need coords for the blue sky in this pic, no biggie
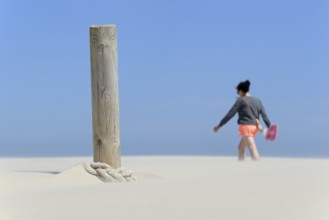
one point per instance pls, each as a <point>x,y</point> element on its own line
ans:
<point>179,62</point>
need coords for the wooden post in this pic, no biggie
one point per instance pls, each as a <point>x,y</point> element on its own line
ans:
<point>105,95</point>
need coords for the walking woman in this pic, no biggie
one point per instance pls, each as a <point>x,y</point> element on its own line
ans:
<point>248,108</point>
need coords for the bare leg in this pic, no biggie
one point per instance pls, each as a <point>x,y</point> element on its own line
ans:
<point>252,147</point>
<point>242,146</point>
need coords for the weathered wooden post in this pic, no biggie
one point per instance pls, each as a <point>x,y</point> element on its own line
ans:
<point>105,95</point>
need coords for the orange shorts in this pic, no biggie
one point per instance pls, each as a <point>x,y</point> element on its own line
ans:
<point>248,130</point>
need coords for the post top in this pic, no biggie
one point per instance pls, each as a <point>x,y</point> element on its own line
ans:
<point>106,25</point>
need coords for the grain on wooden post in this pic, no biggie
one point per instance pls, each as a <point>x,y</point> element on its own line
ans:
<point>105,95</point>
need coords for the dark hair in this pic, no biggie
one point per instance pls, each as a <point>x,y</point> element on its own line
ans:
<point>243,86</point>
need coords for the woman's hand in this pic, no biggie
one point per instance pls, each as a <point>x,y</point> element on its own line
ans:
<point>216,128</point>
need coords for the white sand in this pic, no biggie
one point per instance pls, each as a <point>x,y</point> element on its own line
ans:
<point>168,188</point>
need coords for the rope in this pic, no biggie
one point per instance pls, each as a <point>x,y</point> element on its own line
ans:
<point>108,174</point>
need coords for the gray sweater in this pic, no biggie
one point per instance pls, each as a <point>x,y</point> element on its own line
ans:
<point>245,114</point>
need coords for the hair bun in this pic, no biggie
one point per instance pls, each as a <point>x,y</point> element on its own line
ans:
<point>243,86</point>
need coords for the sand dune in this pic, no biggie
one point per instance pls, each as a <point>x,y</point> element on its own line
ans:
<point>167,188</point>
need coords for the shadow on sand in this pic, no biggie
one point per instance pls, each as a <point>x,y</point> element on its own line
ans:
<point>36,171</point>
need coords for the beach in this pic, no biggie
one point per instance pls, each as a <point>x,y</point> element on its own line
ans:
<point>167,187</point>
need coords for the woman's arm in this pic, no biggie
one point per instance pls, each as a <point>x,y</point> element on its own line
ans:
<point>235,108</point>
<point>264,116</point>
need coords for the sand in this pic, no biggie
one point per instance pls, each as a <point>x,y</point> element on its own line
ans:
<point>167,188</point>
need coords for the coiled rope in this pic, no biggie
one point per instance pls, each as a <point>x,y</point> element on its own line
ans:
<point>108,174</point>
